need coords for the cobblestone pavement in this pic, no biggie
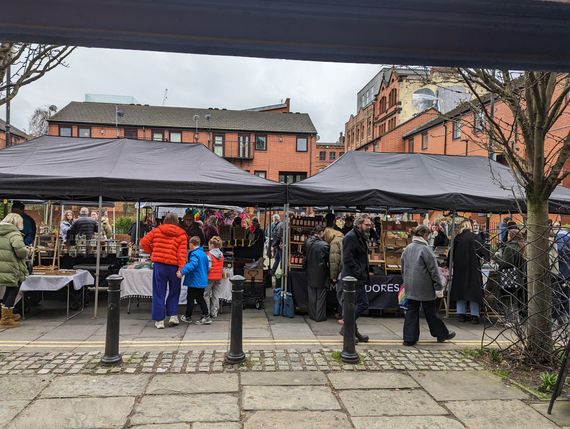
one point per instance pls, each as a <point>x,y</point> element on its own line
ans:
<point>213,361</point>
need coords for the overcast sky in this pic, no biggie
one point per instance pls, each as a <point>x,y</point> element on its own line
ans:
<point>327,91</point>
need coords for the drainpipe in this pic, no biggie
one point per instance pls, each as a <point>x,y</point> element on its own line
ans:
<point>445,138</point>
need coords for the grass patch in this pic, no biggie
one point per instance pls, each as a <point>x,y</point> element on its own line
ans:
<point>547,381</point>
<point>336,357</point>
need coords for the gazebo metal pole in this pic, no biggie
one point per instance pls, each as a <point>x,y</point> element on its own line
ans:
<point>98,262</point>
<point>285,252</point>
<point>137,224</point>
<point>450,271</point>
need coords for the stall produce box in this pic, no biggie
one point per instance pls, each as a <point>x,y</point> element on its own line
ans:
<point>255,273</point>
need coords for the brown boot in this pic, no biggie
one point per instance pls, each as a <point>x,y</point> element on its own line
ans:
<point>7,320</point>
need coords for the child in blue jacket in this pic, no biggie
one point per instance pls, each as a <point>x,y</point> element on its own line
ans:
<point>196,279</point>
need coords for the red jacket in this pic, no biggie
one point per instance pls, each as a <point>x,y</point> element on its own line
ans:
<point>216,258</point>
<point>166,244</point>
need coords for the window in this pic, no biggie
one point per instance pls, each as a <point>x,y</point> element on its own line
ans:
<point>456,130</point>
<point>332,156</point>
<point>176,136</point>
<point>322,155</point>
<point>219,144</point>
<point>383,105</point>
<point>288,177</point>
<point>411,145</point>
<point>131,133</point>
<point>302,144</point>
<point>158,135</point>
<point>479,122</point>
<point>84,132</point>
<point>340,154</point>
<point>383,128</point>
<point>243,146</point>
<point>392,98</point>
<point>260,142</point>
<point>64,131</point>
<point>424,141</point>
<point>374,147</point>
<point>261,174</point>
<point>369,127</point>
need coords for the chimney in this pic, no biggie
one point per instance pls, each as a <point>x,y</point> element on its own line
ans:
<point>288,103</point>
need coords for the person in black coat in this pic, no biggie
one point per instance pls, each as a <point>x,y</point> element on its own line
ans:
<point>355,264</point>
<point>84,225</point>
<point>317,253</point>
<point>440,239</point>
<point>256,238</point>
<point>467,281</point>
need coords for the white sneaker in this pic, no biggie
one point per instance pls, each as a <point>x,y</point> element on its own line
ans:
<point>173,321</point>
<point>185,319</point>
<point>204,321</point>
<point>159,324</point>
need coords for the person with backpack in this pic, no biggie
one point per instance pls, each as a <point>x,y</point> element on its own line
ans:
<point>195,274</point>
<point>216,261</point>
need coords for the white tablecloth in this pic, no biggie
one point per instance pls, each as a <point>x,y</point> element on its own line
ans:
<point>37,282</point>
<point>137,283</point>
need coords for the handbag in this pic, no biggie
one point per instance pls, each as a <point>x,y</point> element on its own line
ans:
<point>403,297</point>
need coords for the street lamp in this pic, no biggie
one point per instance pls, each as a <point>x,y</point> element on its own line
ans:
<point>118,113</point>
<point>196,118</point>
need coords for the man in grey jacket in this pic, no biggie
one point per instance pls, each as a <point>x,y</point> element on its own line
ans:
<point>423,284</point>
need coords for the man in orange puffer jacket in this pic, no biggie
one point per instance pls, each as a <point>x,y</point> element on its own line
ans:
<point>167,246</point>
<point>212,292</point>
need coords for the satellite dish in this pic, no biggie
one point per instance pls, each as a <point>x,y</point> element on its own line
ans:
<point>207,116</point>
<point>318,137</point>
<point>52,108</point>
<point>196,117</point>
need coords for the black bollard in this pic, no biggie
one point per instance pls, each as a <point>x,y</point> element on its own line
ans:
<point>236,354</point>
<point>112,355</point>
<point>348,354</point>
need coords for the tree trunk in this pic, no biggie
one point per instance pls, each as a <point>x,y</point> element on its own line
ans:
<point>539,341</point>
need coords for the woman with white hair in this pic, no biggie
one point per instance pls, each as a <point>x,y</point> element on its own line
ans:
<point>13,269</point>
<point>467,282</point>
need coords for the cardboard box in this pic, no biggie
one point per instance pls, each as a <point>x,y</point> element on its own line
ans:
<point>253,273</point>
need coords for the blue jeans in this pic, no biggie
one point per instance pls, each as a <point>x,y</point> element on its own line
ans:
<point>163,277</point>
<point>473,307</point>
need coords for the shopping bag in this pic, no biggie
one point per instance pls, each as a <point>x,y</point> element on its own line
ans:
<point>277,302</point>
<point>288,305</point>
<point>403,298</point>
<point>510,279</point>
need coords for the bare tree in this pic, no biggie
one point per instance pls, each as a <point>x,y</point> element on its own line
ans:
<point>535,102</point>
<point>38,125</point>
<point>28,63</point>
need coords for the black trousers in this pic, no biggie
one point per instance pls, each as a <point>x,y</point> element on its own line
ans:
<point>318,303</point>
<point>197,294</point>
<point>10,295</point>
<point>412,322</point>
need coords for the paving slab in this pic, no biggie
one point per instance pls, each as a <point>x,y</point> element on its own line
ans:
<point>371,380</point>
<point>389,402</point>
<point>408,422</point>
<point>498,414</point>
<point>465,385</point>
<point>312,398</point>
<point>9,409</point>
<point>560,412</point>
<point>224,425</point>
<point>163,426</point>
<point>16,387</point>
<point>169,384</point>
<point>71,386</point>
<point>208,407</point>
<point>75,413</point>
<point>297,420</point>
<point>285,378</point>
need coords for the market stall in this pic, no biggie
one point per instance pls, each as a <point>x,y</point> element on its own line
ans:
<point>128,170</point>
<point>416,181</point>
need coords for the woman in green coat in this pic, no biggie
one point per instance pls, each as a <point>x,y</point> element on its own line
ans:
<point>13,270</point>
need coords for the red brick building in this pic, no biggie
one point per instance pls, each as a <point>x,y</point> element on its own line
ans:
<point>327,153</point>
<point>17,136</point>
<point>269,141</point>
